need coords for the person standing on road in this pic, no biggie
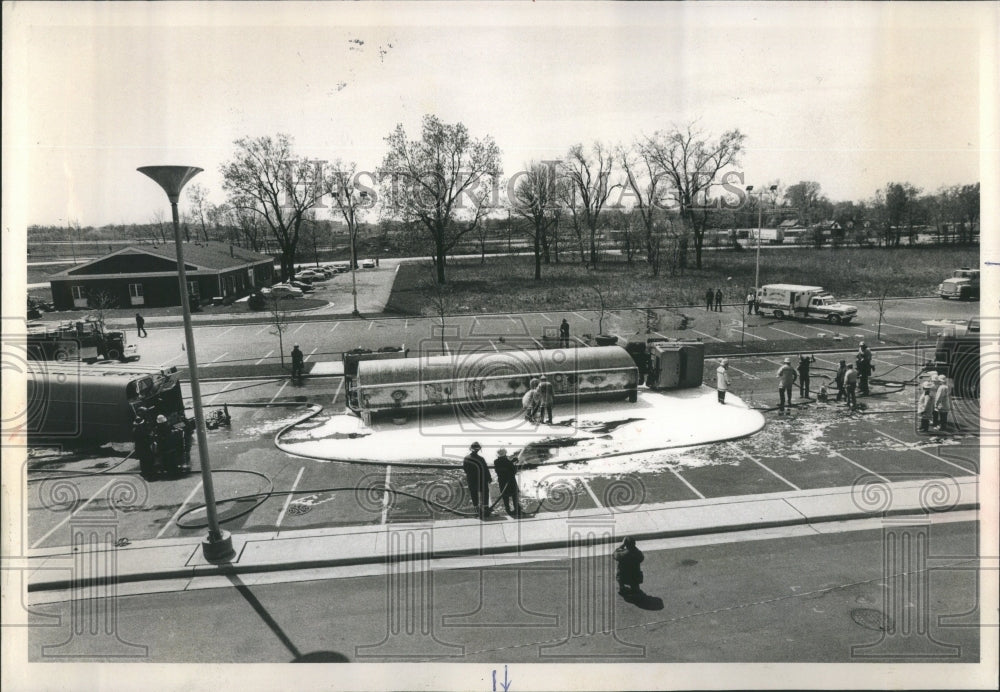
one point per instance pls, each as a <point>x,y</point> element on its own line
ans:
<point>506,472</point>
<point>722,380</point>
<point>851,385</point>
<point>477,475</point>
<point>718,300</point>
<point>751,299</point>
<point>865,368</point>
<point>546,399</point>
<point>709,297</point>
<point>564,334</point>
<point>925,407</point>
<point>298,362</point>
<point>140,325</point>
<point>786,378</point>
<point>529,402</point>
<point>839,379</point>
<point>803,368</point>
<point>629,575</point>
<point>942,402</point>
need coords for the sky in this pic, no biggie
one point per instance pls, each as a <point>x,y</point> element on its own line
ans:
<point>851,96</point>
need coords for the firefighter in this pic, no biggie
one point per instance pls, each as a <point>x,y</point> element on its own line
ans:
<point>477,475</point>
<point>864,368</point>
<point>629,574</point>
<point>298,363</point>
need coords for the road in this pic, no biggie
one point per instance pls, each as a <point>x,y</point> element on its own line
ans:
<point>788,595</point>
<point>256,343</point>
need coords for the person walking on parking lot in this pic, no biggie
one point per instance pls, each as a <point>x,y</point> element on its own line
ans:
<point>722,380</point>
<point>803,368</point>
<point>298,363</point>
<point>942,402</point>
<point>629,573</point>
<point>477,475</point>
<point>839,379</point>
<point>865,368</point>
<point>925,407</point>
<point>786,378</point>
<point>751,299</point>
<point>546,399</point>
<point>709,297</point>
<point>718,300</point>
<point>140,325</point>
<point>564,334</point>
<point>850,386</point>
<point>506,472</point>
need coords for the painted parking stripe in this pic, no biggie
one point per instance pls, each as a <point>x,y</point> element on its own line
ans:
<point>264,358</point>
<point>683,480</point>
<point>262,330</point>
<point>854,463</point>
<point>171,360</point>
<point>310,354</point>
<point>581,317</point>
<point>225,331</point>
<point>180,509</point>
<point>586,486</point>
<point>763,466</point>
<point>334,327</point>
<point>708,335</point>
<point>545,317</point>
<point>371,324</point>
<point>743,331</point>
<point>743,372</point>
<point>224,354</point>
<point>797,336</point>
<point>340,385</point>
<point>295,331</point>
<point>283,384</point>
<point>923,451</point>
<point>218,394</point>
<point>72,514</point>
<point>581,341</point>
<point>538,343</point>
<point>288,498</point>
<point>899,326</point>
<point>494,346</point>
<point>385,495</point>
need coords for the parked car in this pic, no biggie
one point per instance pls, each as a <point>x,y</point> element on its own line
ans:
<point>302,286</point>
<point>368,264</point>
<point>282,291</point>
<point>310,274</point>
<point>962,284</point>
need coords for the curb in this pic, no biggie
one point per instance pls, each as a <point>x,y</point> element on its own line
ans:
<point>235,568</point>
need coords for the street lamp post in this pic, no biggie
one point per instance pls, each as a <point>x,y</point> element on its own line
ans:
<point>352,228</point>
<point>760,224</point>
<point>218,545</point>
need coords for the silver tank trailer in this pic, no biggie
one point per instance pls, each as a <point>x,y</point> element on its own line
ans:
<point>494,379</point>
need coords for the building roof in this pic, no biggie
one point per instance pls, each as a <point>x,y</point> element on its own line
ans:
<point>203,256</point>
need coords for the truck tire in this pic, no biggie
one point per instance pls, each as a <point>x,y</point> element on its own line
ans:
<point>964,294</point>
<point>778,314</point>
<point>834,319</point>
<point>113,354</point>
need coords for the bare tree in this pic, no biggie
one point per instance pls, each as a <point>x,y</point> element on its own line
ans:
<point>265,177</point>
<point>649,187</point>
<point>600,314</point>
<point>158,220</point>
<point>440,303</point>
<point>427,180</point>
<point>279,321</point>
<point>589,176</point>
<point>692,163</point>
<point>100,302</point>
<point>881,313</point>
<point>351,199</point>
<point>198,196</point>
<point>536,192</point>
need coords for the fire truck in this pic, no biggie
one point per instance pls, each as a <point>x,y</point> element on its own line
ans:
<point>79,340</point>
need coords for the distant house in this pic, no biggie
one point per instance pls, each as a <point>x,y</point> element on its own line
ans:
<point>147,276</point>
<point>789,224</point>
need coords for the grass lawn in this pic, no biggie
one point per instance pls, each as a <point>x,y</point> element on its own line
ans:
<point>505,284</point>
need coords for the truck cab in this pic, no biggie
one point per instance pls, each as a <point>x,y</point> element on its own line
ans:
<point>962,284</point>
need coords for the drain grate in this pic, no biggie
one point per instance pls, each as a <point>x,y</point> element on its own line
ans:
<point>871,619</point>
<point>299,509</point>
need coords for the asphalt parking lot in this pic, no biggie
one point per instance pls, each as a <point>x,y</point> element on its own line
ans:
<point>817,446</point>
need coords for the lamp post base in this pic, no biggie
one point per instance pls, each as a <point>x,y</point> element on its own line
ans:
<point>355,313</point>
<point>218,549</point>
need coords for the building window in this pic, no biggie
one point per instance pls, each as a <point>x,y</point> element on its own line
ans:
<point>77,292</point>
<point>135,290</point>
<point>193,289</point>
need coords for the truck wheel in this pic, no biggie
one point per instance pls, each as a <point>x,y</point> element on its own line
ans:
<point>779,314</point>
<point>834,319</point>
<point>113,354</point>
<point>964,295</point>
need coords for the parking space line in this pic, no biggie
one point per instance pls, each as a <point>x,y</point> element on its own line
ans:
<point>763,466</point>
<point>226,331</point>
<point>862,329</point>
<point>385,495</point>
<point>683,480</point>
<point>863,468</point>
<point>545,317</point>
<point>446,349</point>
<point>797,336</point>
<point>224,354</point>
<point>283,385</point>
<point>581,317</point>
<point>899,326</point>
<point>512,319</point>
<point>340,385</point>
<point>262,330</point>
<point>334,327</point>
<point>171,360</point>
<point>218,394</point>
<point>494,346</point>
<point>264,358</point>
<point>71,514</point>
<point>406,324</point>
<point>662,336</point>
<point>743,331</point>
<point>295,331</point>
<point>371,324</point>
<point>743,372</point>
<point>288,498</point>
<point>180,509</point>
<point>581,341</point>
<point>708,335</point>
<point>538,343</point>
<point>310,354</point>
<point>923,451</point>
<point>586,486</point>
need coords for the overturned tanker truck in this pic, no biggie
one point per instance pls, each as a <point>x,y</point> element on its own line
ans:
<point>482,380</point>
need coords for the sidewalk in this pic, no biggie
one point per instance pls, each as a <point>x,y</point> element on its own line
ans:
<point>181,560</point>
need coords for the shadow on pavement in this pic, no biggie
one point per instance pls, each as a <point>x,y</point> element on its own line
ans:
<point>644,601</point>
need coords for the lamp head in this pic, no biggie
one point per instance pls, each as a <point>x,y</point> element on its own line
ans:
<point>749,188</point>
<point>171,178</point>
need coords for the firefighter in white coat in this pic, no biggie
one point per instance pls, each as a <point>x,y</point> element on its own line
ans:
<point>722,380</point>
